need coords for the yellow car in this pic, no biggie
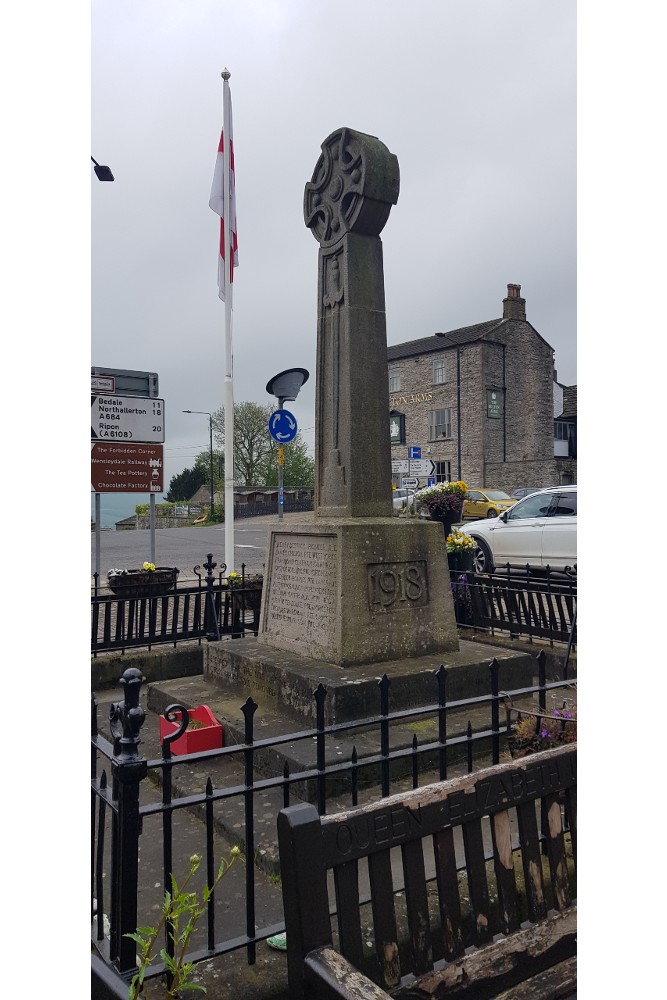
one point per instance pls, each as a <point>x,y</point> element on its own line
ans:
<point>485,502</point>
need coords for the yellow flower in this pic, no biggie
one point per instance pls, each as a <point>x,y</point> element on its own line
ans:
<point>150,567</point>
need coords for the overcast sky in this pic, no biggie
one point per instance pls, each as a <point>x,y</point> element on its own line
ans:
<point>476,98</point>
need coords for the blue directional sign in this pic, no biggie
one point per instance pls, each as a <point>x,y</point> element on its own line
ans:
<point>282,426</point>
<point>414,452</point>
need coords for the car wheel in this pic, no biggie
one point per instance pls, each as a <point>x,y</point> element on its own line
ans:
<point>481,560</point>
<point>492,513</point>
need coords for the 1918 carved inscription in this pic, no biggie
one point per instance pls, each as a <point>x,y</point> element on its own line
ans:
<point>393,586</point>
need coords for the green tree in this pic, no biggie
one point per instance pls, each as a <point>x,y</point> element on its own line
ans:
<point>299,467</point>
<point>255,451</point>
<point>184,485</point>
<point>203,462</point>
<point>252,441</point>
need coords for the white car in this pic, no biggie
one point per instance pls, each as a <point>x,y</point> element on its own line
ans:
<point>538,531</point>
<point>402,498</point>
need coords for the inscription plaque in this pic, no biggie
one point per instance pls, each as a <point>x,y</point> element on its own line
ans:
<point>393,586</point>
<point>302,599</point>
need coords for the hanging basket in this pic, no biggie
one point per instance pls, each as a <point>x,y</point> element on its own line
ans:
<point>135,583</point>
<point>446,508</point>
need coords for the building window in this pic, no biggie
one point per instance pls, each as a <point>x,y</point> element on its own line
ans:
<point>443,472</point>
<point>440,424</point>
<point>438,371</point>
<point>561,430</point>
<point>394,378</point>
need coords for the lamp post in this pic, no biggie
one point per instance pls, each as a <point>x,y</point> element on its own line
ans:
<point>205,413</point>
<point>285,385</point>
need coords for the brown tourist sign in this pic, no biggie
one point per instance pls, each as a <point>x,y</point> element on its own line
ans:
<point>126,468</point>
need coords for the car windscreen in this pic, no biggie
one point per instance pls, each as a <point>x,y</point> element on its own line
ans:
<point>532,506</point>
<point>497,495</point>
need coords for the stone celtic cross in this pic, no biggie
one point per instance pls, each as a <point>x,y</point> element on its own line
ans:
<point>346,205</point>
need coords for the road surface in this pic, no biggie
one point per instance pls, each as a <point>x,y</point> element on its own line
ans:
<point>186,547</point>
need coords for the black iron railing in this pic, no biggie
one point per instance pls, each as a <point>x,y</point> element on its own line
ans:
<point>382,756</point>
<point>206,609</point>
<point>523,603</point>
<point>271,507</point>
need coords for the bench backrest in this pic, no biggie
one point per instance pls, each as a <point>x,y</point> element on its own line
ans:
<point>451,844</point>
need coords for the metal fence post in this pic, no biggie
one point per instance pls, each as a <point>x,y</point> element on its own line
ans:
<point>128,769</point>
<point>210,614</point>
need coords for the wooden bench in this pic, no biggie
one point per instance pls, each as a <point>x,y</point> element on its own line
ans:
<point>445,904</point>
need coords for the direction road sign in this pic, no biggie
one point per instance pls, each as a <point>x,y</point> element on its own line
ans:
<point>126,468</point>
<point>282,426</point>
<point>410,482</point>
<point>125,381</point>
<point>399,465</point>
<point>126,418</point>
<point>421,467</point>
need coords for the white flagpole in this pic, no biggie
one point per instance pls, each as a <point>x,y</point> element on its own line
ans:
<point>228,399</point>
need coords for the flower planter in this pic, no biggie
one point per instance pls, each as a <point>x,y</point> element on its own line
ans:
<point>461,562</point>
<point>135,583</point>
<point>531,732</point>
<point>207,736</point>
<point>448,510</point>
<point>249,597</point>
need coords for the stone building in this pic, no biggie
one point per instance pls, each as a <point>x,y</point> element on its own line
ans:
<point>482,403</point>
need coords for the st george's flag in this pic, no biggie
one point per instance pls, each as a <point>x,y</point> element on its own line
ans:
<point>227,261</point>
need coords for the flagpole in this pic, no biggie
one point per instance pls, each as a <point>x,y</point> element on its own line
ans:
<point>228,399</point>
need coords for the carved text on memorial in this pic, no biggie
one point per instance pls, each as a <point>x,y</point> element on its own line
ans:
<point>302,599</point>
<point>397,585</point>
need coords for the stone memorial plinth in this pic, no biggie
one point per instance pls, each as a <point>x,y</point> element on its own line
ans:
<point>358,590</point>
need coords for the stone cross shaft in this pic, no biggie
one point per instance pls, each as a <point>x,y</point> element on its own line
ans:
<point>346,205</point>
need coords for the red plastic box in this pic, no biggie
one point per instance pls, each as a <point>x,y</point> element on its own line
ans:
<point>209,737</point>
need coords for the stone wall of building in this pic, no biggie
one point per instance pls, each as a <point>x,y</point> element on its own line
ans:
<point>518,365</point>
<point>510,476</point>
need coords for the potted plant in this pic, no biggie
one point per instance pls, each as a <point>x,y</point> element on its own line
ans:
<point>203,731</point>
<point>531,732</point>
<point>460,551</point>
<point>444,502</point>
<point>250,587</point>
<point>149,581</point>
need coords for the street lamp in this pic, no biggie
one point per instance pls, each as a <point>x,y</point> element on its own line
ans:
<point>285,385</point>
<point>205,413</point>
<point>103,173</point>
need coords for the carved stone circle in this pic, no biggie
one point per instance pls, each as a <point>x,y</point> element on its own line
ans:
<point>354,185</point>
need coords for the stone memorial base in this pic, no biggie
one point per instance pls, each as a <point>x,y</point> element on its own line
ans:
<point>283,684</point>
<point>351,591</point>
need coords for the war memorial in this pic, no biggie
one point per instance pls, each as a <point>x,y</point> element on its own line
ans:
<point>350,592</point>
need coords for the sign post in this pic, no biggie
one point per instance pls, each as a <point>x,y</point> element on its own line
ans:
<point>127,434</point>
<point>282,423</point>
<point>282,427</point>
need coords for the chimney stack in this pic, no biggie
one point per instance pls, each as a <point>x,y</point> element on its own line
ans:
<point>514,307</point>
